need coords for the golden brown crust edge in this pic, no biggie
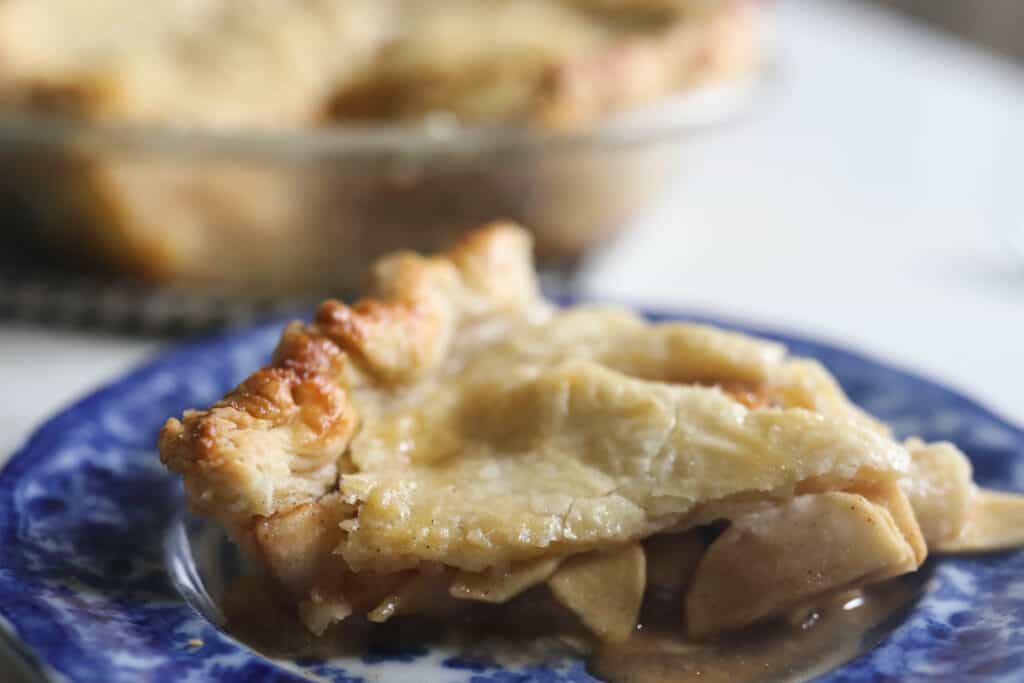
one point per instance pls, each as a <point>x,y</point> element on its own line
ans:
<point>279,439</point>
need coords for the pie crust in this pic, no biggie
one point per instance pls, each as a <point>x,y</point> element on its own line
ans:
<point>211,62</point>
<point>454,436</point>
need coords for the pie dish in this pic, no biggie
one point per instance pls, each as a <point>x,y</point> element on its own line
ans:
<point>84,590</point>
<point>392,123</point>
<point>455,438</point>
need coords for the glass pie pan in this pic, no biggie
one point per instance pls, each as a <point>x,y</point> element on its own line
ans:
<point>289,212</point>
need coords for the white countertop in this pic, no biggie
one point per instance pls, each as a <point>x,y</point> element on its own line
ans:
<point>862,203</point>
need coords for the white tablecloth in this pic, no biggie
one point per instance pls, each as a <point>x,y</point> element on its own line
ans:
<point>862,202</point>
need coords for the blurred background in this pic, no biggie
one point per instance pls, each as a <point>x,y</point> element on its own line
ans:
<point>844,169</point>
<point>849,170</point>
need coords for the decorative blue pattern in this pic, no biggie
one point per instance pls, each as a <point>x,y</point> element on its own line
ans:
<point>83,508</point>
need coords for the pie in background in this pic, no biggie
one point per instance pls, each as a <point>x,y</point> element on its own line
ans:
<point>232,154</point>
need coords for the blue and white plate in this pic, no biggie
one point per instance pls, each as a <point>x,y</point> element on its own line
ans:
<point>86,590</point>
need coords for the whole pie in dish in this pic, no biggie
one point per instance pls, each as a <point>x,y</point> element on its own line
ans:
<point>456,438</point>
<point>211,165</point>
<point>211,63</point>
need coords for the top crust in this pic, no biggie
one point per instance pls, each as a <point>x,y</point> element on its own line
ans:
<point>466,424</point>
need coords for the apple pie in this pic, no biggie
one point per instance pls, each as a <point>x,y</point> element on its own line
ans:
<point>455,437</point>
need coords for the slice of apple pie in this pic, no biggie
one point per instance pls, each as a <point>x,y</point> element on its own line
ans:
<point>456,438</point>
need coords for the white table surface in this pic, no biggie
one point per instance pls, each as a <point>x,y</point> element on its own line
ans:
<point>862,203</point>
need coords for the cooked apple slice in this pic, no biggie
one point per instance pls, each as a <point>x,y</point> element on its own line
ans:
<point>502,585</point>
<point>326,604</point>
<point>940,490</point>
<point>893,498</point>
<point>955,515</point>
<point>604,589</point>
<point>996,522</point>
<point>295,544</point>
<point>771,560</point>
<point>424,593</point>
